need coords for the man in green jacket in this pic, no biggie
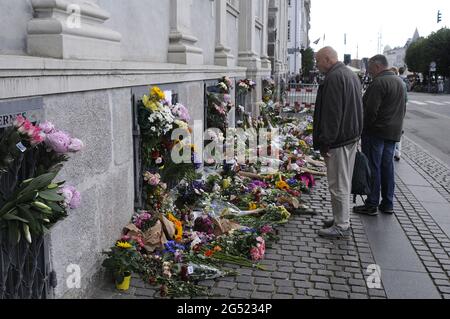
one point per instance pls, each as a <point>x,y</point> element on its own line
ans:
<point>384,112</point>
<point>337,131</point>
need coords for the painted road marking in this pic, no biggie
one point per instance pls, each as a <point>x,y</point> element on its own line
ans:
<point>435,103</point>
<point>417,102</point>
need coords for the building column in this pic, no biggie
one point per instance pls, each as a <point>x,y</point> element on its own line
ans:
<point>71,29</point>
<point>265,61</point>
<point>182,47</point>
<point>248,57</point>
<point>222,56</point>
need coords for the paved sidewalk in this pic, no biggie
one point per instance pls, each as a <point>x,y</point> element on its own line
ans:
<point>412,247</point>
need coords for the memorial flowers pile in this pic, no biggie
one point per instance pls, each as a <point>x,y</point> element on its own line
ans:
<point>226,214</point>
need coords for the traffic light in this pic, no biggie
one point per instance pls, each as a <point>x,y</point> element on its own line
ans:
<point>439,16</point>
<point>347,59</point>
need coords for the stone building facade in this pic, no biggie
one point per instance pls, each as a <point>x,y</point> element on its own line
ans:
<point>84,59</point>
<point>299,15</point>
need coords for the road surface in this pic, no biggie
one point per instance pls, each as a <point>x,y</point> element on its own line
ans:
<point>427,123</point>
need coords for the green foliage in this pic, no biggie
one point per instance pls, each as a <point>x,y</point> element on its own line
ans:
<point>122,262</point>
<point>307,61</point>
<point>435,47</point>
<point>34,206</point>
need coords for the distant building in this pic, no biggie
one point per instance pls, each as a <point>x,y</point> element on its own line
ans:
<point>299,12</point>
<point>396,56</point>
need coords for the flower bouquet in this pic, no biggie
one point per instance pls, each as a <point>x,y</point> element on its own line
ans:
<point>225,85</point>
<point>245,86</point>
<point>38,202</point>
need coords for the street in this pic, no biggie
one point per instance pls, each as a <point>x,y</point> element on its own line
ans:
<point>427,123</point>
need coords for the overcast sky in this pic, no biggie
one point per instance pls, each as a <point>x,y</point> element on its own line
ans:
<point>363,20</point>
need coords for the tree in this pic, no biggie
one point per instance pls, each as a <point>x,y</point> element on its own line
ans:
<point>439,46</point>
<point>307,61</point>
<point>416,56</point>
<point>435,47</point>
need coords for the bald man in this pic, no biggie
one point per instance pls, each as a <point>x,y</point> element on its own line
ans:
<point>338,124</point>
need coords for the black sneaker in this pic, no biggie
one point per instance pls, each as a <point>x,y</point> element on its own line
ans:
<point>386,211</point>
<point>327,223</point>
<point>397,158</point>
<point>366,210</point>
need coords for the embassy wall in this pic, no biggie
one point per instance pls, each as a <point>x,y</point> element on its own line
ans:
<point>86,77</point>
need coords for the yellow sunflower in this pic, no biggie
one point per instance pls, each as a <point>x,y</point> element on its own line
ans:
<point>123,244</point>
<point>282,185</point>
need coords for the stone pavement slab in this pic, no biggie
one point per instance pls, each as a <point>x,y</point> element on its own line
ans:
<point>390,246</point>
<point>409,285</point>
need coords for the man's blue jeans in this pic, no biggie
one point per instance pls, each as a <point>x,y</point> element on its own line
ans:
<point>380,153</point>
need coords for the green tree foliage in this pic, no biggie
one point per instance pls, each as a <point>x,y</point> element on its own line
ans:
<point>307,61</point>
<point>439,46</point>
<point>436,47</point>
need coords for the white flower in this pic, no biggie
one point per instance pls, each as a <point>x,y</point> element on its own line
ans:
<point>153,129</point>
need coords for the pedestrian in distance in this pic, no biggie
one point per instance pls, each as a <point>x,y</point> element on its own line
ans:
<point>384,113</point>
<point>338,124</point>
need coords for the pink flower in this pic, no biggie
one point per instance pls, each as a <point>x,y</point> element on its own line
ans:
<point>226,98</point>
<point>72,197</point>
<point>255,254</point>
<point>181,112</point>
<point>125,238</point>
<point>76,200</point>
<point>139,241</point>
<point>19,121</point>
<point>47,127</point>
<point>219,109</point>
<point>154,180</point>
<point>37,138</point>
<point>26,128</point>
<point>75,145</point>
<point>58,141</point>
<point>266,229</point>
<point>308,180</point>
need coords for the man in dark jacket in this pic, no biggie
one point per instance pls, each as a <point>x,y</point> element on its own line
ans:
<point>384,112</point>
<point>338,124</point>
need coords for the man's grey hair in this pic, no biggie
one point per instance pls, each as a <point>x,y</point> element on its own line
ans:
<point>379,59</point>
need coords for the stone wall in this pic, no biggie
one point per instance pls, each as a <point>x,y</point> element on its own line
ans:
<point>203,17</point>
<point>14,16</point>
<point>144,25</point>
<point>233,35</point>
<point>102,172</point>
